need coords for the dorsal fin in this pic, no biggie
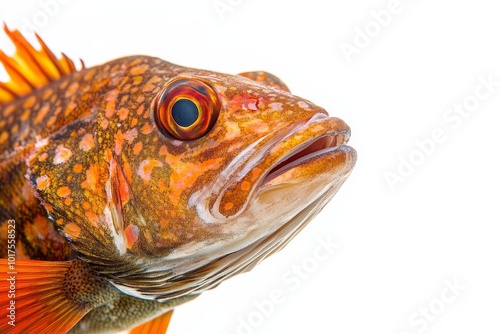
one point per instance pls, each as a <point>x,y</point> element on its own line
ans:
<point>30,68</point>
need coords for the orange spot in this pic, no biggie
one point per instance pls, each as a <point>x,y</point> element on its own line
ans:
<point>72,230</point>
<point>140,110</point>
<point>228,206</point>
<point>150,85</point>
<point>62,155</point>
<point>86,205</point>
<point>161,184</point>
<point>72,89</point>
<point>91,216</point>
<point>119,139</point>
<point>63,191</point>
<point>134,122</point>
<point>41,114</point>
<point>256,173</point>
<point>163,150</point>
<point>111,96</point>
<point>147,129</point>
<point>137,148</point>
<point>130,135</point>
<point>25,115</point>
<point>131,235</point>
<point>137,80</point>
<point>3,137</point>
<point>70,108</point>
<point>92,179</point>
<point>14,129</point>
<point>87,142</point>
<point>68,201</point>
<point>122,113</point>
<point>78,168</point>
<point>7,111</point>
<point>51,121</point>
<point>110,109</point>
<point>42,182</point>
<point>42,157</point>
<point>30,102</point>
<point>245,185</point>
<point>48,93</point>
<point>257,127</point>
<point>146,169</point>
<point>185,174</point>
<point>104,123</point>
<point>140,69</point>
<point>122,82</point>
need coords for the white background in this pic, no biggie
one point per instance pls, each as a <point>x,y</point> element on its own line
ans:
<point>397,247</point>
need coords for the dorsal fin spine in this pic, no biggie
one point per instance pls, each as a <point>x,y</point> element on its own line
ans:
<point>30,68</point>
<point>50,55</point>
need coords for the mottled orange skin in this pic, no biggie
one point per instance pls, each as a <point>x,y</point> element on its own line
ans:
<point>113,118</point>
<point>122,195</point>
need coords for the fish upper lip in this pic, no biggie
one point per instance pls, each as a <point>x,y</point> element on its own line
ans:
<point>326,141</point>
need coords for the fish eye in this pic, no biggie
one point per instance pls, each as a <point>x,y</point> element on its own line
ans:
<point>186,109</point>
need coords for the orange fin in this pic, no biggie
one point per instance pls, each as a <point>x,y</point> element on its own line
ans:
<point>266,78</point>
<point>158,325</point>
<point>36,302</point>
<point>30,68</point>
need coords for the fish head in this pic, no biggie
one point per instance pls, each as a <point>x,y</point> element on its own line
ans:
<point>182,178</point>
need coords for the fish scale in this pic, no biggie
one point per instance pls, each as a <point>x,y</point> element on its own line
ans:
<point>118,207</point>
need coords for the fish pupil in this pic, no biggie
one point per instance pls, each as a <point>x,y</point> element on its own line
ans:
<point>185,112</point>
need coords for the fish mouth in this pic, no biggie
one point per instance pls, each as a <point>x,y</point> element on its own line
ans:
<point>308,149</point>
<point>330,142</point>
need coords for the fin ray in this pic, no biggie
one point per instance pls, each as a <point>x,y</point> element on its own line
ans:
<point>30,68</point>
<point>41,305</point>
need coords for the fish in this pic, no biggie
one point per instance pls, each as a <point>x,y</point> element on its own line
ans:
<point>132,187</point>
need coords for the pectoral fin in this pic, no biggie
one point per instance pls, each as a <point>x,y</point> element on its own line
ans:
<point>158,325</point>
<point>35,297</point>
